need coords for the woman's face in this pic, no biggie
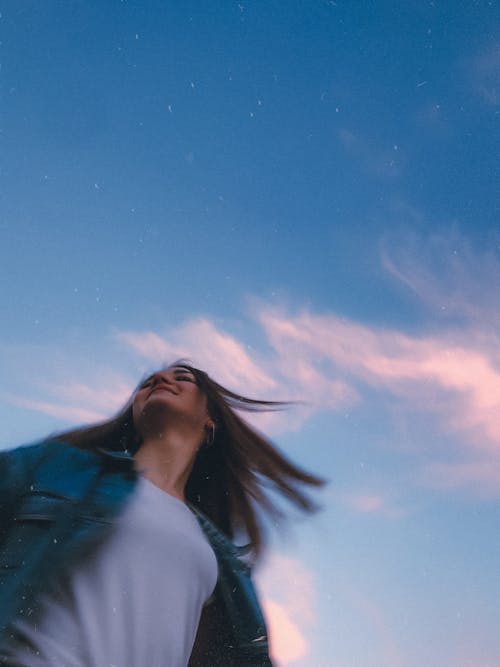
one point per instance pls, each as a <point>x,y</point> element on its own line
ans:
<point>170,394</point>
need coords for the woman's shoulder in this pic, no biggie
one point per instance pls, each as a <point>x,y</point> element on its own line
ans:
<point>18,463</point>
<point>22,455</point>
<point>32,451</point>
<point>31,455</point>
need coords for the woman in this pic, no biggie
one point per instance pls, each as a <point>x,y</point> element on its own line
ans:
<point>116,538</point>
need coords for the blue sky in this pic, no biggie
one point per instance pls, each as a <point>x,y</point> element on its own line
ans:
<point>303,198</point>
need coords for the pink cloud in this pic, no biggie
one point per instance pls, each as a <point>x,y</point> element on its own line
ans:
<point>446,274</point>
<point>64,412</point>
<point>286,642</point>
<point>228,359</point>
<point>230,362</point>
<point>366,503</point>
<point>149,345</point>
<point>290,610</point>
<point>108,397</point>
<point>74,401</point>
<point>275,578</point>
<point>329,363</point>
<point>371,504</point>
<point>458,382</point>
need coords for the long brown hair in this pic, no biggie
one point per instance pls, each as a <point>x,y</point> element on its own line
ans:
<point>229,478</point>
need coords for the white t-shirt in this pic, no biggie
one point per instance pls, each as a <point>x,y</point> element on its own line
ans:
<point>137,601</point>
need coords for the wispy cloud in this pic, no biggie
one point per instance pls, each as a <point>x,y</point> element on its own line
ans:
<point>107,398</point>
<point>461,379</point>
<point>65,412</point>
<point>219,352</point>
<point>371,504</point>
<point>447,274</point>
<point>257,374</point>
<point>366,503</point>
<point>72,400</point>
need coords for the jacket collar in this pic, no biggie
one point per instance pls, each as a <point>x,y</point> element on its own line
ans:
<point>117,455</point>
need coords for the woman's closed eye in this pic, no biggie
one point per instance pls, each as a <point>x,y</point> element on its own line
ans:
<point>185,378</point>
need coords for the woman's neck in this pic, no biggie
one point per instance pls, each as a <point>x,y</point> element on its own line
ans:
<point>166,461</point>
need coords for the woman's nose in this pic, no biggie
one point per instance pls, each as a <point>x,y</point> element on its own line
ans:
<point>162,377</point>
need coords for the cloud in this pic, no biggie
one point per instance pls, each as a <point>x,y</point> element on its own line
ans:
<point>460,378</point>
<point>109,397</point>
<point>290,610</point>
<point>366,503</point>
<point>64,398</point>
<point>369,503</point>
<point>220,353</point>
<point>228,360</point>
<point>64,412</point>
<point>446,273</point>
<point>287,644</point>
<point>275,577</point>
<point>331,363</point>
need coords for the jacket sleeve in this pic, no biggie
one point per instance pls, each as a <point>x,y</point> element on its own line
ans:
<point>16,470</point>
<point>12,485</point>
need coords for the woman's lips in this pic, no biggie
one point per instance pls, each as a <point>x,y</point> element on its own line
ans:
<point>161,388</point>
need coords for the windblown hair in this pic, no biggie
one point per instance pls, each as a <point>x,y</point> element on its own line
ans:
<point>229,477</point>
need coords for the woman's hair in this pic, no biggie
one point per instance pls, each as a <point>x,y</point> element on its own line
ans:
<point>229,477</point>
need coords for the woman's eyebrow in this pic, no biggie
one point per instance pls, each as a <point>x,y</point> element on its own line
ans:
<point>175,369</point>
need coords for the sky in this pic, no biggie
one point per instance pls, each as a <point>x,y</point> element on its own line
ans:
<point>302,198</point>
